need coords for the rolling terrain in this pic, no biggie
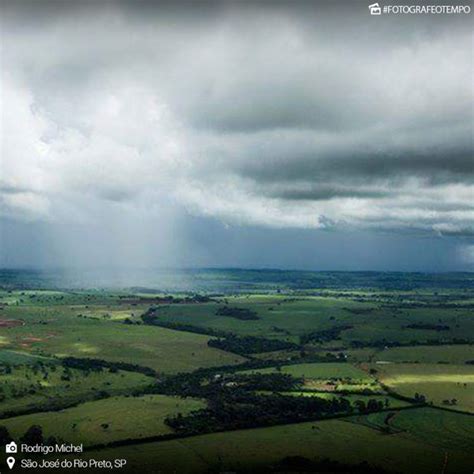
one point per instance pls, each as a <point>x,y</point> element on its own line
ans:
<point>261,371</point>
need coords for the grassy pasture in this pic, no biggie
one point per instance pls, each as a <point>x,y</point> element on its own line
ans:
<point>452,354</point>
<point>440,428</point>
<point>107,420</point>
<point>251,449</point>
<point>437,382</point>
<point>22,358</point>
<point>444,429</point>
<point>446,353</point>
<point>289,318</point>
<point>390,324</point>
<point>60,332</point>
<point>324,371</point>
<point>57,297</point>
<point>280,317</point>
<point>112,313</point>
<point>90,324</point>
<point>27,387</point>
<point>365,354</point>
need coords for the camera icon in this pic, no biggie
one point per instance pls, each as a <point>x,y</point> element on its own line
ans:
<point>11,448</point>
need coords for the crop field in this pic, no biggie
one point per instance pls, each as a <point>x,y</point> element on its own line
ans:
<point>266,374</point>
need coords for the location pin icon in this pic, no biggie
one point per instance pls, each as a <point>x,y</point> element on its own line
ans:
<point>11,462</point>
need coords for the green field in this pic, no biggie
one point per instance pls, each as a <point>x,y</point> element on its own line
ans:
<point>279,317</point>
<point>324,371</point>
<point>11,357</point>
<point>447,354</point>
<point>290,318</point>
<point>440,354</point>
<point>441,428</point>
<point>108,420</point>
<point>259,370</point>
<point>48,331</point>
<point>437,382</point>
<point>29,387</point>
<point>331,376</point>
<point>335,439</point>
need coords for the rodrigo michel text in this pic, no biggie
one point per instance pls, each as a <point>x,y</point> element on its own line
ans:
<point>53,448</point>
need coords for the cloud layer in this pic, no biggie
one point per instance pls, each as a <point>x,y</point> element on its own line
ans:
<point>307,116</point>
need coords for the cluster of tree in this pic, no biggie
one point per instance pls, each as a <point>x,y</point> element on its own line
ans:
<point>238,408</point>
<point>167,299</point>
<point>371,406</point>
<point>211,383</point>
<point>236,401</point>
<point>419,398</point>
<point>325,335</point>
<point>130,321</point>
<point>244,345</point>
<point>100,364</point>
<point>5,369</point>
<point>451,402</point>
<point>152,319</point>
<point>5,437</point>
<point>381,344</point>
<point>359,311</point>
<point>207,381</point>
<point>432,305</point>
<point>428,326</point>
<point>275,382</point>
<point>280,330</point>
<point>243,314</point>
<point>32,436</point>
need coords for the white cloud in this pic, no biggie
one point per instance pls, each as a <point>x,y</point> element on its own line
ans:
<point>254,117</point>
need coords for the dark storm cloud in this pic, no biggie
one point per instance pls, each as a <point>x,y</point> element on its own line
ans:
<point>435,164</point>
<point>324,192</point>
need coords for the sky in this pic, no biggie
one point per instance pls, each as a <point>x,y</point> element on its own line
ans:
<point>247,134</point>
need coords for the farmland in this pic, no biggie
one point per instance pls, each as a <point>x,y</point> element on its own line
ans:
<point>441,428</point>
<point>348,443</point>
<point>39,387</point>
<point>60,331</point>
<point>442,384</point>
<point>335,370</point>
<point>445,354</point>
<point>246,370</point>
<point>107,420</point>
